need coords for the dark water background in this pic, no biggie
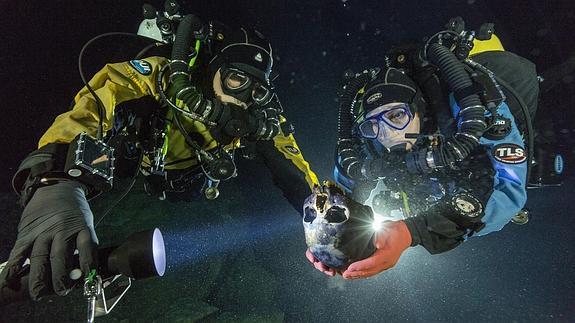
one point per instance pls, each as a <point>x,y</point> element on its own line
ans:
<point>241,258</point>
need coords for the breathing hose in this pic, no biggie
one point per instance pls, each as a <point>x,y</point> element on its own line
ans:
<point>268,120</point>
<point>472,123</point>
<point>201,108</point>
<point>347,157</point>
<point>99,104</point>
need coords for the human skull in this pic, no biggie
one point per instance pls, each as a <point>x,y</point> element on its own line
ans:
<point>336,232</point>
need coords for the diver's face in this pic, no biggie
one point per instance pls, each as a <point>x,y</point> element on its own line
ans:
<point>219,92</point>
<point>232,85</point>
<point>391,122</point>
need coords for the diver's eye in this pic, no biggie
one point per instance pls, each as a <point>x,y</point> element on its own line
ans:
<point>336,214</point>
<point>236,81</point>
<point>309,215</point>
<point>396,116</point>
<point>260,93</point>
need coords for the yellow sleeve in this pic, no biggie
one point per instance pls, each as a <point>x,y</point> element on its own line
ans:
<point>287,146</point>
<point>114,84</point>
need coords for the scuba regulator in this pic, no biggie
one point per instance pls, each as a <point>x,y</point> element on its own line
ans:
<point>160,25</point>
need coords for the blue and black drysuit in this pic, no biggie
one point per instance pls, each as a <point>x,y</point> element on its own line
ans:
<point>477,196</point>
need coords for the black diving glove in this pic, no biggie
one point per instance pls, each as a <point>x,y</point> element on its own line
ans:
<point>233,122</point>
<point>56,221</point>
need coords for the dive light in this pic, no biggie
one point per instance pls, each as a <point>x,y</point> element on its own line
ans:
<point>142,255</point>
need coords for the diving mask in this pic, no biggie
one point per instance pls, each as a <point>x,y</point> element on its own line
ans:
<point>244,87</point>
<point>396,117</point>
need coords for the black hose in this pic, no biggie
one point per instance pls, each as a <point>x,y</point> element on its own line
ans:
<point>347,155</point>
<point>529,132</point>
<point>99,104</point>
<point>269,124</point>
<point>184,38</point>
<point>472,111</point>
<point>180,75</point>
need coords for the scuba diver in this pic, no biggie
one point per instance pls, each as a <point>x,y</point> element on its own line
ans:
<point>179,119</point>
<point>434,144</point>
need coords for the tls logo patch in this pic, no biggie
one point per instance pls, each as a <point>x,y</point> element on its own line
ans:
<point>141,66</point>
<point>509,154</point>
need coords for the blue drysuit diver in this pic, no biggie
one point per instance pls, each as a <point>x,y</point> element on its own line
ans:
<point>179,119</point>
<point>438,155</point>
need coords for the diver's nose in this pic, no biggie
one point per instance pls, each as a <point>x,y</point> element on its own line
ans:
<point>385,131</point>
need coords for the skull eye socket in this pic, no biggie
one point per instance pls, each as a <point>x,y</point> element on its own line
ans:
<point>336,214</point>
<point>309,215</point>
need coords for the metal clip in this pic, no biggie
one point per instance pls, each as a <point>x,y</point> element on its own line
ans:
<point>92,289</point>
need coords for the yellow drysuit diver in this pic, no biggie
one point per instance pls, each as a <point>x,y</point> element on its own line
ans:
<point>179,121</point>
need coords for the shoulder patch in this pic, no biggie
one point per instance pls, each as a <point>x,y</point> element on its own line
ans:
<point>292,150</point>
<point>509,154</point>
<point>467,205</point>
<point>141,66</point>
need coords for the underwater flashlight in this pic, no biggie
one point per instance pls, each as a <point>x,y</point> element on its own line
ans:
<point>142,255</point>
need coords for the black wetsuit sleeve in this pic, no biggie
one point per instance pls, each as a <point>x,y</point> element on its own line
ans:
<point>459,214</point>
<point>435,231</point>
<point>291,173</point>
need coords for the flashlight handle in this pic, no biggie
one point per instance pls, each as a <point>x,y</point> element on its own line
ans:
<point>9,295</point>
